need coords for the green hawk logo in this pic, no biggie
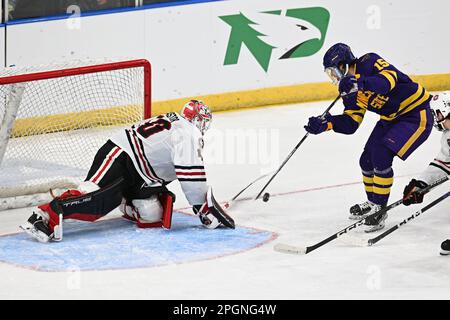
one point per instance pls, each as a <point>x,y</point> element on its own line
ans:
<point>292,33</point>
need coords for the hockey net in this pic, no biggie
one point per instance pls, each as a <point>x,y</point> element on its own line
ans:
<point>55,118</point>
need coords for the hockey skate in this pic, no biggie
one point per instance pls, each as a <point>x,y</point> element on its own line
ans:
<point>37,227</point>
<point>377,222</point>
<point>362,210</point>
<point>445,248</point>
<point>365,209</point>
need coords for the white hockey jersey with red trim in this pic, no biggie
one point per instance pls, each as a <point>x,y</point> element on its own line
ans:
<point>166,148</point>
<point>440,166</point>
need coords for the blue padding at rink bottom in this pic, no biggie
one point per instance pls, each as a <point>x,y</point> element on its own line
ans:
<point>119,244</point>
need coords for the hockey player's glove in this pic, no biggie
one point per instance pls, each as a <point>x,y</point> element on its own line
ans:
<point>206,217</point>
<point>317,125</point>
<point>349,86</point>
<point>411,193</point>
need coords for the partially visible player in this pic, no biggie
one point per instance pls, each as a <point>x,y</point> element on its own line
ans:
<point>440,166</point>
<point>370,83</point>
<point>131,171</point>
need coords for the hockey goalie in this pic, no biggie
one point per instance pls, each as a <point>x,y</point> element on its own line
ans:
<point>131,171</point>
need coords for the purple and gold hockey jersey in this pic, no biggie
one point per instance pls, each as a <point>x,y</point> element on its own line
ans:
<point>385,90</point>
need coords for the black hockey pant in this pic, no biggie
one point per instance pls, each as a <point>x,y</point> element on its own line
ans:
<point>113,171</point>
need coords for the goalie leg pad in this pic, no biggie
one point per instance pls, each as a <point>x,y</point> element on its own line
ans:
<point>87,187</point>
<point>89,206</point>
<point>167,199</point>
<point>147,211</point>
<point>152,212</point>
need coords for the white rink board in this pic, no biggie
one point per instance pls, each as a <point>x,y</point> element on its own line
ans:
<point>108,36</point>
<point>187,44</point>
<point>199,48</point>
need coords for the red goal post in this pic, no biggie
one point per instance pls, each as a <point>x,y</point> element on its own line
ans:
<point>52,74</point>
<point>44,107</point>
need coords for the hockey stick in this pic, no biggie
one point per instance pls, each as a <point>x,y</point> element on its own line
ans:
<point>285,248</point>
<point>295,149</point>
<point>229,203</point>
<point>374,240</point>
<point>248,186</point>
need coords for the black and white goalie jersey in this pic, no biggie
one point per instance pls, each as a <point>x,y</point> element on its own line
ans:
<point>166,148</point>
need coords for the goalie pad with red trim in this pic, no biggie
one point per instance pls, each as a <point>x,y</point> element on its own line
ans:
<point>153,212</point>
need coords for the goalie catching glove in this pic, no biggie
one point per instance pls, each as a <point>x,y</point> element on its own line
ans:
<point>211,214</point>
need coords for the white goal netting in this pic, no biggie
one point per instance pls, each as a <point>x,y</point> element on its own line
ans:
<point>54,119</point>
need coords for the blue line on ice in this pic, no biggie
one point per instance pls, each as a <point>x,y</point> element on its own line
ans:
<point>119,244</point>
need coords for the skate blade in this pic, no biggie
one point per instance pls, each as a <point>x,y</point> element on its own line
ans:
<point>370,229</point>
<point>286,248</point>
<point>31,231</point>
<point>357,217</point>
<point>352,240</point>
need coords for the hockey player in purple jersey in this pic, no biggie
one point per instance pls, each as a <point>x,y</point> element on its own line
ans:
<point>370,83</point>
<point>440,166</point>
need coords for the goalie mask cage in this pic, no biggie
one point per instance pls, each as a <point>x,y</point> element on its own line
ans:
<point>54,119</point>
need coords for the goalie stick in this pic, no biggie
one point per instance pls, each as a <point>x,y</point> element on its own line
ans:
<point>295,149</point>
<point>285,248</point>
<point>229,203</point>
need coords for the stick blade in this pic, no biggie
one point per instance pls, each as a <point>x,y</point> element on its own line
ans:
<point>353,240</point>
<point>218,212</point>
<point>286,248</point>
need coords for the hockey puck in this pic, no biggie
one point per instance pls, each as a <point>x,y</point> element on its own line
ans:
<point>266,197</point>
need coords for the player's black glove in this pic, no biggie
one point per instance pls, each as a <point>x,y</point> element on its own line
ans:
<point>412,193</point>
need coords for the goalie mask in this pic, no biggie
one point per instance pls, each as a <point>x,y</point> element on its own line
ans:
<point>198,113</point>
<point>440,107</point>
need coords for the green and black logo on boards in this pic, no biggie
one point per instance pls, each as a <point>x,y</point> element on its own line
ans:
<point>292,33</point>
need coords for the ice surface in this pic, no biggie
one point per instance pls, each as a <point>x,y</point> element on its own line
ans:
<point>84,246</point>
<point>309,201</point>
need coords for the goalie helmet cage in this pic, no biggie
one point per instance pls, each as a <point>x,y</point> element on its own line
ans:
<point>54,118</point>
